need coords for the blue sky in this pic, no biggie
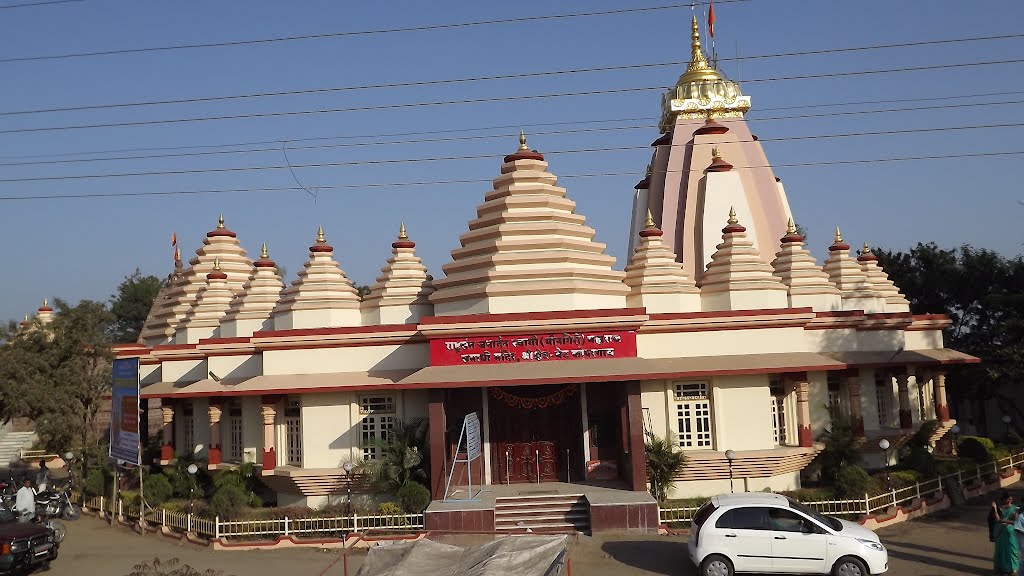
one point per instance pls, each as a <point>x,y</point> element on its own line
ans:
<point>81,248</point>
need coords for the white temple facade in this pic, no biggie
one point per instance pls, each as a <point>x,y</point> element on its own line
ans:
<point>721,333</point>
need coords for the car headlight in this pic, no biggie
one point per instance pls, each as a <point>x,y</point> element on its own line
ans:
<point>19,546</point>
<point>872,544</point>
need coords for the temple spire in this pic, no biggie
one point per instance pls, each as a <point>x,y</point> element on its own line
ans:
<point>220,221</point>
<point>522,140</point>
<point>320,235</point>
<point>697,60</point>
<point>401,232</point>
<point>263,251</point>
<point>790,227</point>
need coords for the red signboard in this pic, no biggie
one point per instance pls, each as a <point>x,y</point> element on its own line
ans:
<point>536,347</point>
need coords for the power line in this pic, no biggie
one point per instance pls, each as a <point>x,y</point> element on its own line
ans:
<point>467,79</point>
<point>32,4</point>
<point>631,174</point>
<point>650,120</point>
<point>476,100</point>
<point>396,30</point>
<point>449,139</point>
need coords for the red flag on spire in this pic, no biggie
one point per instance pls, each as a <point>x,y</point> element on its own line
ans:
<point>711,19</point>
<point>174,238</point>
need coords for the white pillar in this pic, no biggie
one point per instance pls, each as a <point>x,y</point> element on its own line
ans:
<point>486,437</point>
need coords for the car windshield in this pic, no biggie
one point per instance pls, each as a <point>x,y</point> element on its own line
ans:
<point>832,523</point>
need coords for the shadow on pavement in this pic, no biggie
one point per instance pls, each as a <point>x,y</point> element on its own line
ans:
<point>923,548</point>
<point>956,567</point>
<point>658,557</point>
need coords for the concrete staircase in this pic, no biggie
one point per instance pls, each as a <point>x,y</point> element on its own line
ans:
<point>941,431</point>
<point>543,513</point>
<point>11,444</point>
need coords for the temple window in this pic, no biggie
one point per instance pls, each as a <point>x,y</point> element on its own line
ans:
<point>778,409</point>
<point>378,411</point>
<point>293,431</point>
<point>693,415</point>
<point>188,429</point>
<point>234,451</point>
<point>837,407</point>
<point>883,399</point>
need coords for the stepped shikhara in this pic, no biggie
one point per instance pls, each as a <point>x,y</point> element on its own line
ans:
<point>846,273</point>
<point>737,278</point>
<point>527,246</point>
<point>203,319</point>
<point>250,311</point>
<point>220,245</point>
<point>401,293</point>
<point>880,282</point>
<point>808,284</point>
<point>322,295</point>
<point>656,281</point>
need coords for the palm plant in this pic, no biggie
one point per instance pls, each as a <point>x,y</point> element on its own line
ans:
<point>664,463</point>
<point>840,448</point>
<point>399,457</point>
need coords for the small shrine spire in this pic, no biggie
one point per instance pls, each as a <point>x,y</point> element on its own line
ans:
<point>216,263</point>
<point>839,236</point>
<point>522,140</point>
<point>320,235</point>
<point>220,221</point>
<point>263,251</point>
<point>401,232</point>
<point>732,216</point>
<point>649,223</point>
<point>790,227</point>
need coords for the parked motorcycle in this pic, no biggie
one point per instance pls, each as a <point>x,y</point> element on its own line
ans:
<point>57,504</point>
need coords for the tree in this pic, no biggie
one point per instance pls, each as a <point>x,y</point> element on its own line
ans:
<point>400,457</point>
<point>59,374</point>
<point>664,462</point>
<point>131,305</point>
<point>983,294</point>
<point>840,449</point>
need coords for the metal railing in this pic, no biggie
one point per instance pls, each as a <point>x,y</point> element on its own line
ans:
<point>263,529</point>
<point>871,504</point>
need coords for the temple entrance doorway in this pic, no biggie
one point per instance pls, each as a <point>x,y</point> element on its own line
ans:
<point>536,434</point>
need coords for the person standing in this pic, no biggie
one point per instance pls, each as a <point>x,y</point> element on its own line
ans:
<point>42,477</point>
<point>1018,529</point>
<point>1006,556</point>
<point>25,502</point>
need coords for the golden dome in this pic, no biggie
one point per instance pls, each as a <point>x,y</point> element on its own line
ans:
<point>702,91</point>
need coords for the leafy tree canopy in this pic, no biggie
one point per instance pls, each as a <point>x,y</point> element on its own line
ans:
<point>983,293</point>
<point>131,304</point>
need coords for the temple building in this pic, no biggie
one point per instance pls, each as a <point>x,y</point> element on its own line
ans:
<point>722,333</point>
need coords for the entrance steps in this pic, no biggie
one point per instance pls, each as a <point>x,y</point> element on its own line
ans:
<point>542,513</point>
<point>11,445</point>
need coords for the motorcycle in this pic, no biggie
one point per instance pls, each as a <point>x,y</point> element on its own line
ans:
<point>57,504</point>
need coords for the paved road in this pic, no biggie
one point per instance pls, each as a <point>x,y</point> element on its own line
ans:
<point>952,543</point>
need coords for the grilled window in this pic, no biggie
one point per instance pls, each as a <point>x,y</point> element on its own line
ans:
<point>693,415</point>
<point>378,422</point>
<point>293,432</point>
<point>883,399</point>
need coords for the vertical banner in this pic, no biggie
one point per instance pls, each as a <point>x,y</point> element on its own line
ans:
<point>124,412</point>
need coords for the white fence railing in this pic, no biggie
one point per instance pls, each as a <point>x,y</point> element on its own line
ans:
<point>870,504</point>
<point>259,529</point>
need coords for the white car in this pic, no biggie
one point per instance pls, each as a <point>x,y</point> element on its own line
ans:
<point>770,533</point>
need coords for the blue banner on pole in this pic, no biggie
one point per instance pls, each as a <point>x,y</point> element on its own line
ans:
<point>124,412</point>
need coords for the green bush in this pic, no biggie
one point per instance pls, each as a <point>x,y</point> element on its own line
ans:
<point>853,482</point>
<point>903,478</point>
<point>157,489</point>
<point>415,497</point>
<point>228,502</point>
<point>976,448</point>
<point>393,509</point>
<point>811,494</point>
<point>99,482</point>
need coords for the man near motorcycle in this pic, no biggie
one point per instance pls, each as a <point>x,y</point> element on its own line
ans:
<point>25,502</point>
<point>42,477</point>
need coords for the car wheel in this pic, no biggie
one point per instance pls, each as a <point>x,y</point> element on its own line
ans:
<point>716,565</point>
<point>58,530</point>
<point>850,566</point>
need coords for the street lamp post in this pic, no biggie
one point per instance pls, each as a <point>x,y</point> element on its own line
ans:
<point>884,445</point>
<point>192,470</point>
<point>955,431</point>
<point>347,467</point>
<point>730,456</point>
<point>1006,423</point>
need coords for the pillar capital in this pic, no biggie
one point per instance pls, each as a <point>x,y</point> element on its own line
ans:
<point>269,413</point>
<point>902,379</point>
<point>167,414</point>
<point>214,412</point>
<point>802,389</point>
